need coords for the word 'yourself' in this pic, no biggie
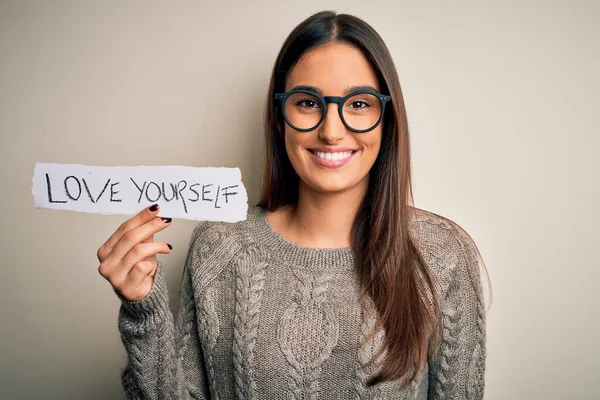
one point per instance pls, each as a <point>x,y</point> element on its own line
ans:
<point>150,191</point>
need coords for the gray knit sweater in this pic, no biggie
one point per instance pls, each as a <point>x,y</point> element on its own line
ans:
<point>263,318</point>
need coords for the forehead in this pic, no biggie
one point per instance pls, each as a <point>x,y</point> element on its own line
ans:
<point>333,68</point>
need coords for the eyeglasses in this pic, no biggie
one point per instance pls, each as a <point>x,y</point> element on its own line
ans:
<point>360,111</point>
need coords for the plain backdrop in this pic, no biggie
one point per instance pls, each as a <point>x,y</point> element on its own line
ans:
<point>503,105</point>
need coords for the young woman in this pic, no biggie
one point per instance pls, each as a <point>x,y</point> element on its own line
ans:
<point>335,287</point>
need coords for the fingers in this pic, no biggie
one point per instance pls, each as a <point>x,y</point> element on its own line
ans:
<point>150,239</point>
<point>128,257</point>
<point>137,220</point>
<point>138,284</point>
<point>141,272</point>
<point>135,237</point>
<point>139,262</point>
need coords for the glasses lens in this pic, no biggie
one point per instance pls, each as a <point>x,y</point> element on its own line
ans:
<point>303,110</point>
<point>362,111</point>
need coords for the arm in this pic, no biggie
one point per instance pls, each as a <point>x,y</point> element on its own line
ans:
<point>458,365</point>
<point>164,357</point>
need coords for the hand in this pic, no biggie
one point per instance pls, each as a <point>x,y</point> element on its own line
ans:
<point>128,257</point>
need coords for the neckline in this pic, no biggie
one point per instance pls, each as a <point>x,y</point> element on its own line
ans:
<point>315,258</point>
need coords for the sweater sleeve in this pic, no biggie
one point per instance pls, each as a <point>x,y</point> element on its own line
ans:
<point>458,365</point>
<point>164,357</point>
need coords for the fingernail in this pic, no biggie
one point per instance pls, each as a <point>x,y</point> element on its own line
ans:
<point>153,207</point>
<point>166,220</point>
<point>170,247</point>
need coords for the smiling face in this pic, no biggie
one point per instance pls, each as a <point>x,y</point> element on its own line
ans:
<point>332,158</point>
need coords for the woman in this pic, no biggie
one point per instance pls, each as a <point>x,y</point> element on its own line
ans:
<point>334,287</point>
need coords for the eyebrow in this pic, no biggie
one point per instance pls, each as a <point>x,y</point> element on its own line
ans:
<point>349,89</point>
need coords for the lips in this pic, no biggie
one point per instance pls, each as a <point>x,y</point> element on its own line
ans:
<point>332,157</point>
<point>329,156</point>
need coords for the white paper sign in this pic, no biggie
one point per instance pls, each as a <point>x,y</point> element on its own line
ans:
<point>214,194</point>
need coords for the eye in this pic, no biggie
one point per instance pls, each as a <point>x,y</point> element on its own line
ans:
<point>359,104</point>
<point>308,103</point>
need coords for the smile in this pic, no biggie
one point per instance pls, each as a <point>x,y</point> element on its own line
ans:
<point>333,156</point>
<point>332,159</point>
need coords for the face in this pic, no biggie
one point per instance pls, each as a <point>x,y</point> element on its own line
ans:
<point>332,158</point>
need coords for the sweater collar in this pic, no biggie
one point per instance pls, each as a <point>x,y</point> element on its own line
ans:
<point>312,258</point>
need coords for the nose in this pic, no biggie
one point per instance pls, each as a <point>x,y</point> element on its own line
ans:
<point>332,129</point>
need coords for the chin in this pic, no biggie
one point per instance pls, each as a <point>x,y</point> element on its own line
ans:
<point>331,186</point>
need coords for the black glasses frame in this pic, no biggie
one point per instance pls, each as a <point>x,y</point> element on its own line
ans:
<point>383,99</point>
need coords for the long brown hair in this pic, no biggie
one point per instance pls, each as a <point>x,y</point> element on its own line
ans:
<point>390,269</point>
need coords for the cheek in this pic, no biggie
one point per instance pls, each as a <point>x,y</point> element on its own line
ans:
<point>290,144</point>
<point>294,143</point>
<point>293,149</point>
<point>371,145</point>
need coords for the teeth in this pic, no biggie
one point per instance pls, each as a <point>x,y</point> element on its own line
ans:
<point>333,156</point>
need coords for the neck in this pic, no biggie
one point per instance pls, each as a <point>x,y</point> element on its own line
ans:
<point>325,220</point>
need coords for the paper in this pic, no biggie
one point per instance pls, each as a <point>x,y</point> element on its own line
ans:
<point>214,194</point>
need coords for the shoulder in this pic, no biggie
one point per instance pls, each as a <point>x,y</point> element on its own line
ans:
<point>447,248</point>
<point>439,235</point>
<point>210,237</point>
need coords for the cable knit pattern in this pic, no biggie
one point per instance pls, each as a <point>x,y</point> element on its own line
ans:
<point>306,350</point>
<point>366,353</point>
<point>457,369</point>
<point>209,327</point>
<point>449,348</point>
<point>248,295</point>
<point>260,317</point>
